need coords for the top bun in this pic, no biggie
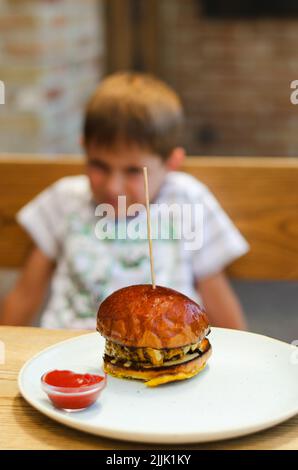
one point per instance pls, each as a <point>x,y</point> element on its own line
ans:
<point>143,317</point>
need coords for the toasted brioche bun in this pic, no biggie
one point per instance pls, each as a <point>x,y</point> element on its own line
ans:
<point>142,317</point>
<point>158,376</point>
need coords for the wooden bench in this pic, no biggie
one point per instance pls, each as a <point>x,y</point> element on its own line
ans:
<point>260,195</point>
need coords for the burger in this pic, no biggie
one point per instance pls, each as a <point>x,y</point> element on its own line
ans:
<point>157,335</point>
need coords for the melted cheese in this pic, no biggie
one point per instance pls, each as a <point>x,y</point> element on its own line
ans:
<point>172,378</point>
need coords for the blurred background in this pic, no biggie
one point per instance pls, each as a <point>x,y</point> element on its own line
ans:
<point>231,62</point>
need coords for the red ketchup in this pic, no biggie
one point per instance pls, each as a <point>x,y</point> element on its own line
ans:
<point>72,391</point>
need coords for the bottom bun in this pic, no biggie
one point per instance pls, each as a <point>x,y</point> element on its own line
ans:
<point>154,377</point>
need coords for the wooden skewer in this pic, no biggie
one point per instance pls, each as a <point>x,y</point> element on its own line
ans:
<point>149,227</point>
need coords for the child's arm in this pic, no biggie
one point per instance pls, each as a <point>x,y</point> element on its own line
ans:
<point>222,306</point>
<point>23,303</point>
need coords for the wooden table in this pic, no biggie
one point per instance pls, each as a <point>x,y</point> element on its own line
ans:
<point>22,427</point>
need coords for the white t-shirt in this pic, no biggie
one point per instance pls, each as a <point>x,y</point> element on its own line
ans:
<point>62,222</point>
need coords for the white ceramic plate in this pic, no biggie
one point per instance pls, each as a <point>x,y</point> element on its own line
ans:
<point>249,384</point>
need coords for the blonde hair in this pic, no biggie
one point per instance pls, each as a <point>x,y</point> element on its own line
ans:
<point>135,108</point>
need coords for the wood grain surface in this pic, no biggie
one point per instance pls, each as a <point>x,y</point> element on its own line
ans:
<point>260,195</point>
<point>22,427</point>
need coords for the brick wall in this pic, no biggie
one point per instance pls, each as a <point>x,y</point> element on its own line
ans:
<point>234,78</point>
<point>51,58</point>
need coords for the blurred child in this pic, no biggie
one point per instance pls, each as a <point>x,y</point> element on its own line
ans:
<point>132,120</point>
